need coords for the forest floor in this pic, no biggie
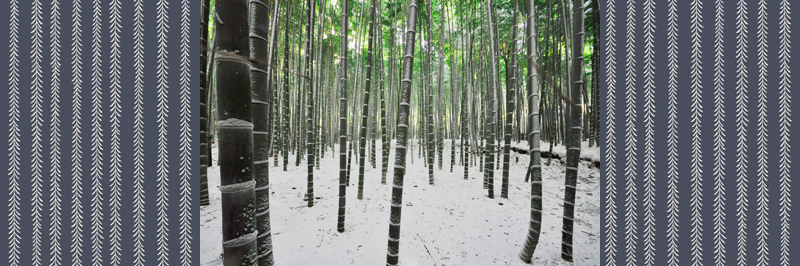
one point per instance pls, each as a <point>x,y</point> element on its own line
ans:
<point>450,223</point>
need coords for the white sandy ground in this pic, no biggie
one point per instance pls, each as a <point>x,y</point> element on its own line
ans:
<point>450,223</point>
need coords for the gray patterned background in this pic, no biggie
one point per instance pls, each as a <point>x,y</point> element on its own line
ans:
<point>82,187</point>
<point>697,162</point>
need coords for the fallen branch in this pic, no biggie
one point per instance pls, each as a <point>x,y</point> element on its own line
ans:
<point>426,249</point>
<point>548,154</point>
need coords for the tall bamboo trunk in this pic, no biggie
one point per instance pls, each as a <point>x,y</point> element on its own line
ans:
<point>392,256</point>
<point>574,138</point>
<point>465,125</point>
<point>484,103</point>
<point>343,117</point>
<point>277,136</point>
<point>384,140</point>
<point>596,73</point>
<point>535,224</point>
<point>300,114</point>
<point>285,134</point>
<point>273,83</point>
<point>309,125</point>
<point>555,60</point>
<point>235,134</point>
<point>483,117</point>
<point>392,102</point>
<point>373,117</point>
<point>510,95</point>
<point>259,83</point>
<point>430,141</point>
<point>365,108</point>
<point>440,106</point>
<point>453,85</point>
<point>490,145</point>
<point>318,143</point>
<point>204,151</point>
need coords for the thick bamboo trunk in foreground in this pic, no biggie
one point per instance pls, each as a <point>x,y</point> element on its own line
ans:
<point>393,256</point>
<point>259,82</point>
<point>574,136</point>
<point>532,240</point>
<point>204,150</point>
<point>235,129</point>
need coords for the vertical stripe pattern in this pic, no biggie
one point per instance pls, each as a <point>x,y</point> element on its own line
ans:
<point>77,188</point>
<point>734,203</point>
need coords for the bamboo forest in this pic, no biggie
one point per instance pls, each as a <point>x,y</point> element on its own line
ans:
<point>323,120</point>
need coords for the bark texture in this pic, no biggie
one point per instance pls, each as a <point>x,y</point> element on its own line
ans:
<point>235,129</point>
<point>393,256</point>
<point>532,240</point>
<point>574,130</point>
